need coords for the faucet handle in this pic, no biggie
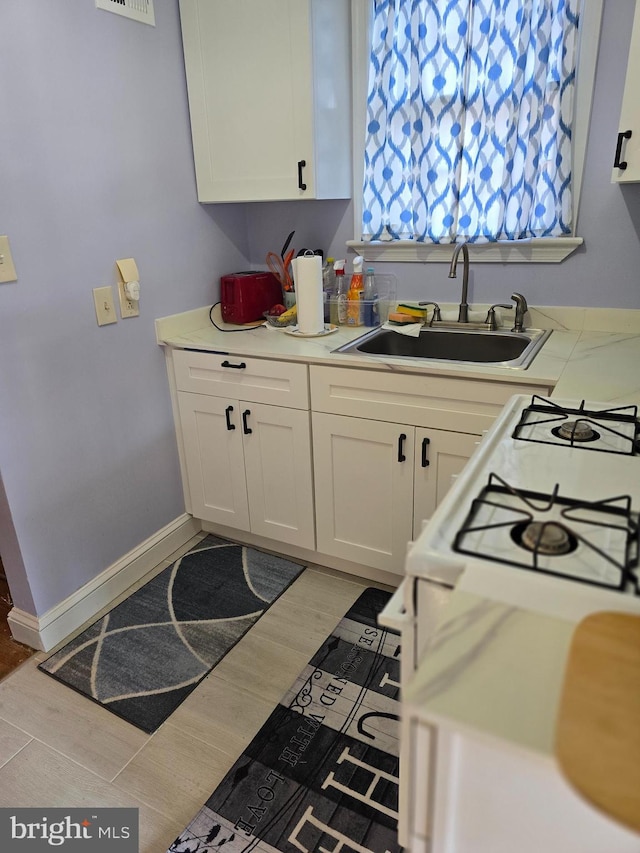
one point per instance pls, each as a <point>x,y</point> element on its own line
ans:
<point>491,315</point>
<point>436,311</point>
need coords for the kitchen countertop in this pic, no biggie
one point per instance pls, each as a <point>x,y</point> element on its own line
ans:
<point>579,360</point>
<point>496,669</point>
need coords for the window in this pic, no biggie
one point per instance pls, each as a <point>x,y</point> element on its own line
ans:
<point>468,125</point>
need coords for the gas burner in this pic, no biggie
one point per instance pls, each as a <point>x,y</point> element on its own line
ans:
<point>579,430</point>
<point>544,537</point>
<point>592,542</point>
<point>615,430</point>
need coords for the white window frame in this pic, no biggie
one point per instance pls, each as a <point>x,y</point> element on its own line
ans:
<point>532,250</point>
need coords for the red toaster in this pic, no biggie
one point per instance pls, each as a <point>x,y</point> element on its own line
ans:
<point>245,296</point>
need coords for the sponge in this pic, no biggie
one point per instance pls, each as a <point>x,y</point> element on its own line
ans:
<point>412,311</point>
<point>396,318</point>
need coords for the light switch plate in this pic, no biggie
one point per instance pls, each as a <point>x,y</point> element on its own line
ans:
<point>7,269</point>
<point>128,308</point>
<point>105,306</point>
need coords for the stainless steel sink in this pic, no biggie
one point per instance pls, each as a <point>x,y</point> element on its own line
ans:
<point>462,346</point>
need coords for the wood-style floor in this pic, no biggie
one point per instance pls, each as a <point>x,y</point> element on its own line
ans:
<point>12,653</point>
<point>58,749</point>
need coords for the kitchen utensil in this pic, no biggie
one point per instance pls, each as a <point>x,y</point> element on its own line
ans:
<point>286,244</point>
<point>280,267</point>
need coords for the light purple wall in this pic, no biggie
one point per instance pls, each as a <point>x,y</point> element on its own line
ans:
<point>95,165</point>
<point>604,272</point>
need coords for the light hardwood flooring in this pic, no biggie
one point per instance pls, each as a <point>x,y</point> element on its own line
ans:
<point>58,748</point>
<point>12,653</point>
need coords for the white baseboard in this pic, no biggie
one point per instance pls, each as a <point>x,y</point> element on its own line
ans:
<point>47,631</point>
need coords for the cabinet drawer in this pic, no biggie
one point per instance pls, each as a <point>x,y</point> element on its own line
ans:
<point>459,405</point>
<point>255,380</point>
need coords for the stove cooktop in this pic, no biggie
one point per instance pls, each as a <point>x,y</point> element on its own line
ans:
<point>605,430</point>
<point>539,507</point>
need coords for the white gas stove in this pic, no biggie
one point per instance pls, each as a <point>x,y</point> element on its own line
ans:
<point>545,517</point>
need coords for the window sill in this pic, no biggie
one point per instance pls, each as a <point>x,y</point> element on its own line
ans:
<point>544,250</point>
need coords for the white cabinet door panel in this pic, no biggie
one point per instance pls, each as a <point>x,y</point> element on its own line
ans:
<point>628,141</point>
<point>446,454</point>
<point>364,489</point>
<point>269,97</point>
<point>214,459</point>
<point>277,455</point>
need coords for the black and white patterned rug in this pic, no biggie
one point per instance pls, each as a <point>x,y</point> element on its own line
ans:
<point>144,657</point>
<point>322,773</point>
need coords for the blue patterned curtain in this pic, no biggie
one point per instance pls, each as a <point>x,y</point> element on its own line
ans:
<point>469,114</point>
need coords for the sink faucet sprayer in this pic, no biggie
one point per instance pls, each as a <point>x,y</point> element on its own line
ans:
<point>521,310</point>
<point>463,310</point>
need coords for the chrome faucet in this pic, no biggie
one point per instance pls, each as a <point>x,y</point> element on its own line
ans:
<point>521,310</point>
<point>463,310</point>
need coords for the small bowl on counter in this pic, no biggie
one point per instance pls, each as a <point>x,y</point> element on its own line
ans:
<point>280,321</point>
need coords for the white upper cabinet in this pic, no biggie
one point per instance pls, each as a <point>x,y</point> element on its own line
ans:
<point>626,168</point>
<point>269,85</point>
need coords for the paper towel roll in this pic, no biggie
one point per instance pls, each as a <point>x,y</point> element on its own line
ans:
<point>307,276</point>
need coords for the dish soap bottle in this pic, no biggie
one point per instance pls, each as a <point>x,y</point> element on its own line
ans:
<point>370,296</point>
<point>354,304</point>
<point>338,313</point>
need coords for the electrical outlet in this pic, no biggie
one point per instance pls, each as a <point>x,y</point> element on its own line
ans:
<point>7,269</point>
<point>105,306</point>
<point>128,308</point>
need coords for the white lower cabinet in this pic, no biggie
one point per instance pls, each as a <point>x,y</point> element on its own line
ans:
<point>357,487</point>
<point>375,482</point>
<point>249,466</point>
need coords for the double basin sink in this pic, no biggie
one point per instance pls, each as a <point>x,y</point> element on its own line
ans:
<point>499,348</point>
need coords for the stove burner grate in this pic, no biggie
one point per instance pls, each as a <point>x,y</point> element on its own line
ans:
<point>551,540</point>
<point>581,427</point>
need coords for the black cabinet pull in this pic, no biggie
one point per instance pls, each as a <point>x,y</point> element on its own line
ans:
<point>240,366</point>
<point>425,448</point>
<point>401,441</point>
<point>618,163</point>
<point>245,428</point>
<point>301,165</point>
<point>227,414</point>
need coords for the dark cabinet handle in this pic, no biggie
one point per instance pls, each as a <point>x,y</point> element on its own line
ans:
<point>425,448</point>
<point>618,163</point>
<point>227,414</point>
<point>401,441</point>
<point>245,428</point>
<point>301,165</point>
<point>240,366</point>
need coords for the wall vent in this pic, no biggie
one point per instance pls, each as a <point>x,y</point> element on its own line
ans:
<point>138,10</point>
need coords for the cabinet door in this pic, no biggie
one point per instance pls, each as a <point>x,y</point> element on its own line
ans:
<point>277,455</point>
<point>364,489</point>
<point>214,459</point>
<point>628,142</point>
<point>248,65</point>
<point>439,456</point>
